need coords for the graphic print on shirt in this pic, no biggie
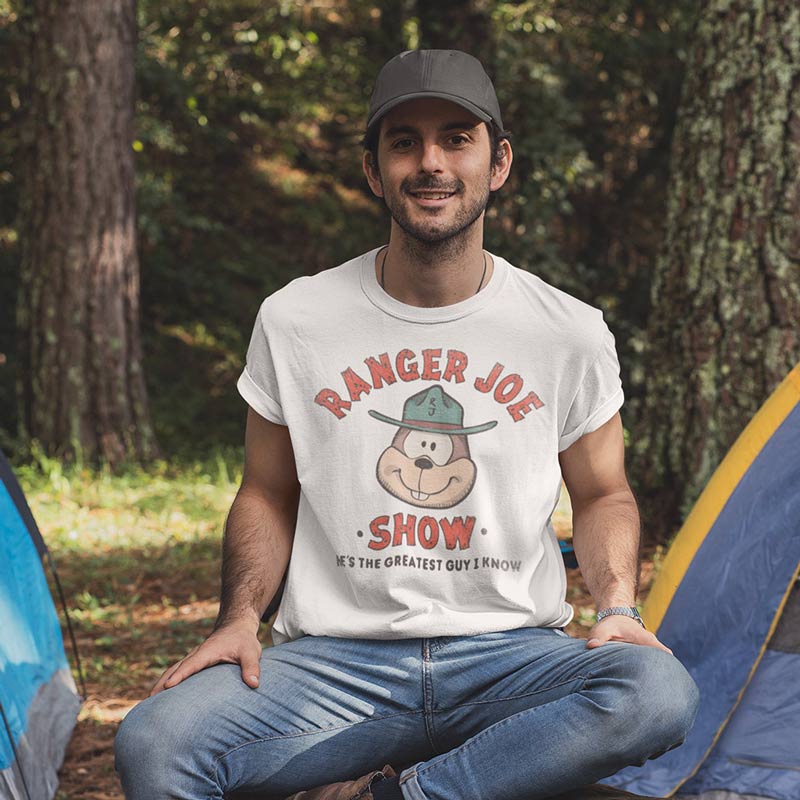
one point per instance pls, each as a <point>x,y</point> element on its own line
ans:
<point>428,462</point>
<point>425,460</point>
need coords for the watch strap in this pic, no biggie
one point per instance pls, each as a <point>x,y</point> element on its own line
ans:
<point>623,611</point>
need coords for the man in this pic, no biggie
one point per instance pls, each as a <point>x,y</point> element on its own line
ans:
<point>411,415</point>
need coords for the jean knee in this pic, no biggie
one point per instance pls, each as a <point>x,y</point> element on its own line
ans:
<point>662,703</point>
<point>133,741</point>
<point>154,738</point>
<point>676,703</point>
<point>670,700</point>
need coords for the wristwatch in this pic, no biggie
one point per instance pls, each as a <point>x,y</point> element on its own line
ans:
<point>625,611</point>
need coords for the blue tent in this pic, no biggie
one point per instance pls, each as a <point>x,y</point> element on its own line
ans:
<point>38,699</point>
<point>727,603</point>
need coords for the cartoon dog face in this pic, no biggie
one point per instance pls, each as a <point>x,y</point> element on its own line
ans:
<point>427,469</point>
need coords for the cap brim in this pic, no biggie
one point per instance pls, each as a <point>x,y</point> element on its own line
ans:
<point>396,101</point>
<point>454,431</point>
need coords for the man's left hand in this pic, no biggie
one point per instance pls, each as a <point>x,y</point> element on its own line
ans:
<point>619,628</point>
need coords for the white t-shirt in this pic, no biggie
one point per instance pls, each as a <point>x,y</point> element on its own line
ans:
<point>426,442</point>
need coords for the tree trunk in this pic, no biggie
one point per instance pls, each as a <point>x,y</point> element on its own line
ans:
<point>725,320</point>
<point>81,388</point>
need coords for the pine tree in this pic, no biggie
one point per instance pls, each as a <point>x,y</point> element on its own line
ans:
<point>81,389</point>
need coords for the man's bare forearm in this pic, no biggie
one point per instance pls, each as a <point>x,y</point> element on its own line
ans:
<point>606,540</point>
<point>255,552</point>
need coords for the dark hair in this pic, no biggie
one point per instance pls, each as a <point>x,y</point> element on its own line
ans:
<point>370,142</point>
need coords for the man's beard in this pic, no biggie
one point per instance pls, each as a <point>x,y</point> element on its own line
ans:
<point>431,234</point>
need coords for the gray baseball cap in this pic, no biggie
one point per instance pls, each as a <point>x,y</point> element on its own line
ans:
<point>447,74</point>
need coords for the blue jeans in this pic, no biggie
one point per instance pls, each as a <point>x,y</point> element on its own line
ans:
<point>515,714</point>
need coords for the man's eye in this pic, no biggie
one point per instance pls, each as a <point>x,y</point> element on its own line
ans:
<point>400,143</point>
<point>459,138</point>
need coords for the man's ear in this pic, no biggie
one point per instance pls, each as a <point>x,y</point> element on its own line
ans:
<point>502,168</point>
<point>370,167</point>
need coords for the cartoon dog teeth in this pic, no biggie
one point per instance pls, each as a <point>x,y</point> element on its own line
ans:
<point>428,462</point>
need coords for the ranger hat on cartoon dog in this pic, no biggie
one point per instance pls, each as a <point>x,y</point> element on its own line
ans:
<point>428,462</point>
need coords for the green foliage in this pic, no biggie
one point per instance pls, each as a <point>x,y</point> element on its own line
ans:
<point>247,157</point>
<point>247,146</point>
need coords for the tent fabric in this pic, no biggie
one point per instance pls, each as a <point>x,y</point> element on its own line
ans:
<point>723,590</point>
<point>37,692</point>
<point>9,481</point>
<point>759,750</point>
<point>40,748</point>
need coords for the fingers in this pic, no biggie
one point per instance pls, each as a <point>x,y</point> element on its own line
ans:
<point>663,647</point>
<point>618,628</point>
<point>222,647</point>
<point>251,668</point>
<point>641,637</point>
<point>179,672</point>
<point>650,639</point>
<point>159,684</point>
<point>189,666</point>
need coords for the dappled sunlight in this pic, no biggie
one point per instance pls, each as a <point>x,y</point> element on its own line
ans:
<point>296,183</point>
<point>110,709</point>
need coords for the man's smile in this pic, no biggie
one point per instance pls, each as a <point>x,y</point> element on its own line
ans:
<point>429,195</point>
<point>429,192</point>
<point>431,198</point>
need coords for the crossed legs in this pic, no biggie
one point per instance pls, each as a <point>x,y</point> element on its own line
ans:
<point>514,714</point>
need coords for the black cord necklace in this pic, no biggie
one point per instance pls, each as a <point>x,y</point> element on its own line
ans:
<point>386,255</point>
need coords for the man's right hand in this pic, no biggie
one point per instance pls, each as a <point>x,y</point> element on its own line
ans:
<point>234,643</point>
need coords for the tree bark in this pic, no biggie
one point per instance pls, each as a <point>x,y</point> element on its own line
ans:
<point>725,319</point>
<point>81,388</point>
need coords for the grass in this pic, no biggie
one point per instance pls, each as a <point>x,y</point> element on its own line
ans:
<point>138,554</point>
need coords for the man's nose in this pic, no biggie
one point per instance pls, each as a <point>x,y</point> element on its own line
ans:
<point>431,159</point>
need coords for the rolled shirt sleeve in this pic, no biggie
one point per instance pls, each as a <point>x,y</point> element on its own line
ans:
<point>258,383</point>
<point>599,395</point>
